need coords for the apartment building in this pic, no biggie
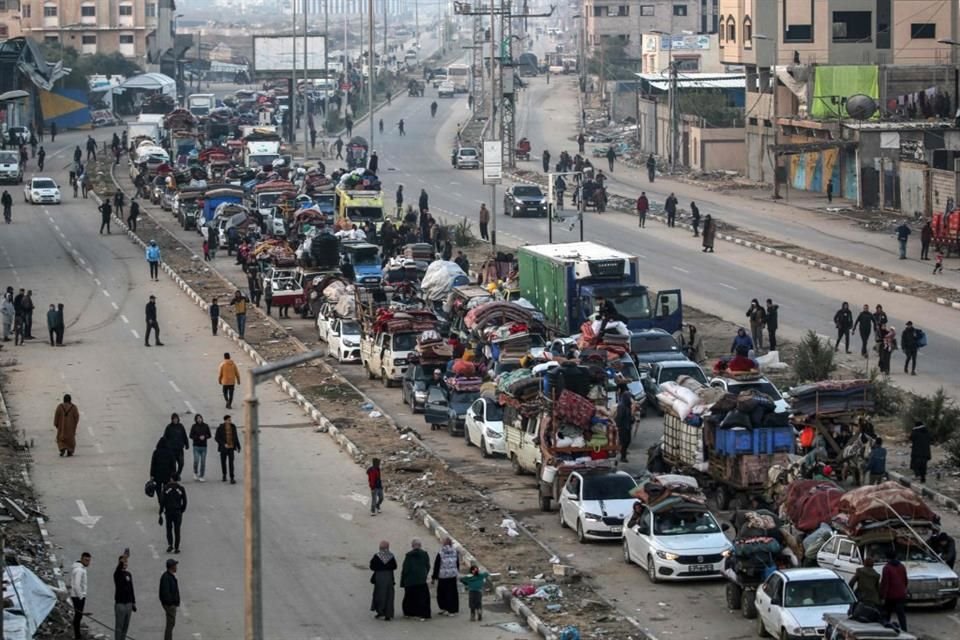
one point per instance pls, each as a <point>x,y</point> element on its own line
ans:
<point>625,22</point>
<point>9,19</point>
<point>142,31</point>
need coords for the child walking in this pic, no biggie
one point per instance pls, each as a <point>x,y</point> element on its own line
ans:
<point>206,251</point>
<point>938,267</point>
<point>474,583</point>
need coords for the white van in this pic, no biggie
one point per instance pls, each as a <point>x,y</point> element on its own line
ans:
<point>10,170</point>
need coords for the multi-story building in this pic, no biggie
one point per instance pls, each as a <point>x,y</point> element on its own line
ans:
<point>698,53</point>
<point>142,31</point>
<point>9,19</point>
<point>625,22</point>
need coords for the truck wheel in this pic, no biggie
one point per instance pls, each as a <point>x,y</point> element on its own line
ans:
<point>515,465</point>
<point>748,604</point>
<point>384,380</point>
<point>734,594</point>
<point>545,503</point>
<point>723,497</point>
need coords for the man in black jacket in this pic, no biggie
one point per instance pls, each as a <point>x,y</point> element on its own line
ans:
<point>773,321</point>
<point>864,324</point>
<point>174,503</point>
<point>910,343</point>
<point>124,599</point>
<point>843,321</point>
<point>163,465</point>
<point>170,597</point>
<point>228,444</point>
<point>106,212</point>
<point>424,201</point>
<point>152,324</point>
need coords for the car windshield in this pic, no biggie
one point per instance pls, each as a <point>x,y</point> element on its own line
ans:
<point>44,184</point>
<point>652,343</point>
<point>678,523</point>
<point>528,192</point>
<point>912,553</point>
<point>8,158</point>
<point>365,213</point>
<point>627,369</point>
<point>404,341</point>
<point>494,412</point>
<point>670,374</point>
<point>265,200</point>
<point>468,152</point>
<point>762,387</point>
<point>610,487</point>
<point>462,399</point>
<point>350,328</point>
<point>631,302</point>
<point>817,593</point>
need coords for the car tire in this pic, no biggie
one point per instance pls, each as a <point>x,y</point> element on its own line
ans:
<point>466,436</point>
<point>652,570</point>
<point>384,380</point>
<point>452,430</point>
<point>748,604</point>
<point>761,630</point>
<point>563,523</point>
<point>950,605</point>
<point>734,593</point>
<point>581,538</point>
<point>339,357</point>
<point>626,552</point>
<point>515,465</point>
<point>484,453</point>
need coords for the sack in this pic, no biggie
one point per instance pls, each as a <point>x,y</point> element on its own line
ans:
<point>921,338</point>
<point>863,612</point>
<point>150,488</point>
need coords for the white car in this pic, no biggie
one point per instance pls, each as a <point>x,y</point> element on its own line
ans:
<point>791,603</point>
<point>324,318</point>
<point>446,90</point>
<point>467,158</point>
<point>41,191</point>
<point>677,542</point>
<point>759,383</point>
<point>484,427</point>
<point>596,504</point>
<point>343,340</point>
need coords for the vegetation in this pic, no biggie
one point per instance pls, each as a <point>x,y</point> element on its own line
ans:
<point>617,65</point>
<point>814,359</point>
<point>711,107</point>
<point>82,66</point>
<point>939,412</point>
<point>887,399</point>
<point>463,234</point>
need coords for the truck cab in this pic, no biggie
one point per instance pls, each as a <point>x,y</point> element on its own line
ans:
<point>523,442</point>
<point>359,207</point>
<point>385,355</point>
<point>365,258</point>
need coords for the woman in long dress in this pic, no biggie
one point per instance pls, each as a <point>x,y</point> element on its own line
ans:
<point>383,564</point>
<point>709,233</point>
<point>413,580</point>
<point>446,570</point>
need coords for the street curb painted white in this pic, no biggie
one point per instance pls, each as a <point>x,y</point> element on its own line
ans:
<point>936,497</point>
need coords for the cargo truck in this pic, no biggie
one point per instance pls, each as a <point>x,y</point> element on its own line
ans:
<point>569,281</point>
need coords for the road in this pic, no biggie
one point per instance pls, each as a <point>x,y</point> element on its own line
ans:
<point>317,534</point>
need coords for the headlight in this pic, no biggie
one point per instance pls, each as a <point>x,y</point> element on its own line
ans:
<point>727,553</point>
<point>420,395</point>
<point>518,206</point>
<point>949,583</point>
<point>399,362</point>
<point>349,343</point>
<point>809,631</point>
<point>665,555</point>
<point>493,435</point>
<point>592,516</point>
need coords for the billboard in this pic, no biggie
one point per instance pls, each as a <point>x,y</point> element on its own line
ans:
<point>276,53</point>
<point>492,161</point>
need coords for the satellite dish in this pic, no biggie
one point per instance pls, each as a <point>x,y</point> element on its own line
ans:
<point>861,107</point>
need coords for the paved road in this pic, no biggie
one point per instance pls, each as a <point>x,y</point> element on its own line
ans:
<point>318,536</point>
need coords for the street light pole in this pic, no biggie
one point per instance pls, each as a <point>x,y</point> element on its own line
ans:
<point>773,118</point>
<point>370,72</point>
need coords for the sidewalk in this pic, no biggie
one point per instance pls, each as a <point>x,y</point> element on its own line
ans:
<point>803,220</point>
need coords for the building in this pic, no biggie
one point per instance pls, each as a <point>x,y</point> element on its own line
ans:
<point>697,54</point>
<point>142,31</point>
<point>624,22</point>
<point>9,19</point>
<point>821,53</point>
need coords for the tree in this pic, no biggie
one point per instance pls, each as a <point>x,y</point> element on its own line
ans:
<point>82,66</point>
<point>711,106</point>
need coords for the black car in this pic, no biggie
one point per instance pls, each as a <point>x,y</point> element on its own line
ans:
<point>654,345</point>
<point>414,386</point>
<point>524,200</point>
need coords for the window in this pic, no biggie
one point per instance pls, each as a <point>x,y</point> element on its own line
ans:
<point>852,26</point>
<point>26,11</point>
<point>923,30</point>
<point>126,9</point>
<point>151,10</point>
<point>798,19</point>
<point>747,33</point>
<point>798,33</point>
<point>126,38</point>
<point>88,39</point>
<point>3,5</point>
<point>623,10</point>
<point>49,11</point>
<point>731,29</point>
<point>722,30</point>
<point>88,11</point>
<point>51,39</point>
<point>883,24</point>
<point>680,10</point>
<point>600,12</point>
<point>647,10</point>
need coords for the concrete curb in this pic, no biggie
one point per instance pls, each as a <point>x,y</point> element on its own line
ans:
<point>936,497</point>
<point>847,273</point>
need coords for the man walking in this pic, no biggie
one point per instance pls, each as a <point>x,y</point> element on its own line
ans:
<point>78,591</point>
<point>174,503</point>
<point>91,149</point>
<point>424,202</point>
<point>118,202</point>
<point>876,466</point>
<point>65,420</point>
<point>215,314</point>
<point>624,420</point>
<point>581,141</point>
<point>134,214</point>
<point>106,212</point>
<point>670,206</point>
<point>546,161</point>
<point>893,589</point>
<point>41,156</point>
<point>26,308</point>
<point>239,303</point>
<point>229,377</point>
<point>228,444</point>
<point>843,321</point>
<point>484,221</point>
<point>919,451</point>
<point>695,220</point>
<point>375,482</point>
<point>651,167</point>
<point>903,232</point>
<point>643,205</point>
<point>773,321</point>
<point>153,258</point>
<point>152,324</point>
<point>338,145</point>
<point>864,324</point>
<point>169,597</point>
<point>124,598</point>
<point>910,343</point>
<point>926,235</point>
<point>611,157</point>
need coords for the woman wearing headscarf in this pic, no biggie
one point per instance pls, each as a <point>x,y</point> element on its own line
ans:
<point>888,342</point>
<point>446,570</point>
<point>413,580</point>
<point>709,233</point>
<point>383,564</point>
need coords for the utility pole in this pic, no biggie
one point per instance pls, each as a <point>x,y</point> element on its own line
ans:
<point>491,128</point>
<point>674,113</point>
<point>370,73</point>
<point>326,67</point>
<point>292,112</point>
<point>416,25</point>
<point>306,79</point>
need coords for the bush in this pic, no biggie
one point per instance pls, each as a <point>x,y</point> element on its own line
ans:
<point>887,399</point>
<point>463,234</point>
<point>939,412</point>
<point>953,452</point>
<point>814,359</point>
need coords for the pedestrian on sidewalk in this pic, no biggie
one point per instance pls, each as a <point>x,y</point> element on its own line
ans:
<point>383,564</point>
<point>106,212</point>
<point>893,589</point>
<point>773,322</point>
<point>52,324</point>
<point>546,161</point>
<point>757,316</point>
<point>643,205</point>
<point>134,214</point>
<point>200,435</point>
<point>53,131</point>
<point>581,141</point>
<point>830,191</point>
<point>864,324</point>
<point>118,202</point>
<point>268,296</point>
<point>66,418</point>
<point>26,308</point>
<point>153,259</point>
<point>413,581</point>
<point>214,316</point>
<point>903,232</point>
<point>239,303</point>
<point>709,233</point>
<point>152,324</point>
<point>926,235</point>
<point>375,482</point>
<point>91,149</point>
<point>174,504</point>
<point>228,444</point>
<point>670,206</point>
<point>338,145</point>
<point>695,218</point>
<point>124,598</point>
<point>879,320</point>
<point>938,265</point>
<point>78,591</point>
<point>228,376</point>
<point>169,597</point>
<point>474,583</point>
<point>843,321</point>
<point>651,168</point>
<point>611,157</point>
<point>400,127</point>
<point>446,570</point>
<point>910,342</point>
<point>60,324</point>
<point>484,221</point>
<point>876,466</point>
<point>9,312</point>
<point>176,433</point>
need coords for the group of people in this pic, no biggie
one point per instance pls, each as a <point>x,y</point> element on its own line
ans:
<point>760,319</point>
<point>875,322</point>
<point>17,314</point>
<point>670,208</point>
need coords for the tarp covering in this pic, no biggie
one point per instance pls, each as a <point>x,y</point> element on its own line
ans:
<point>32,601</point>
<point>883,502</point>
<point>842,81</point>
<point>152,82</point>
<point>811,502</point>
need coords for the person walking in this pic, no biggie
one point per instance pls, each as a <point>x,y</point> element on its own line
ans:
<point>474,583</point>
<point>169,597</point>
<point>78,591</point>
<point>163,466</point>
<point>893,589</point>
<point>106,212</point>
<point>545,159</point>
<point>864,326</point>
<point>757,316</point>
<point>423,202</point>
<point>348,123</point>
<point>373,163</point>
<point>153,258</point>
<point>830,191</point>
<point>77,155</point>
<point>887,338</point>
<point>228,444</point>
<point>383,564</point>
<point>651,168</point>
<point>413,581</point>
<point>118,202</point>
<point>176,433</point>
<point>876,466</point>
<point>200,435</point>
<point>214,311</point>
<point>52,324</point>
<point>643,205</point>
<point>670,206</point>
<point>399,198</point>
<point>173,504</point>
<point>134,214</point>
<point>611,157</point>
<point>624,421</point>
<point>484,221</point>
<point>152,324</point>
<point>9,312</point>
<point>866,584</point>
<point>338,145</point>
<point>709,233</point>
<point>843,321</point>
<point>124,598</point>
<point>773,323</point>
<point>375,482</point>
<point>581,141</point>
<point>60,324</point>
<point>903,233</point>
<point>919,450</point>
<point>400,127</point>
<point>65,420</point>
<point>910,342</point>
<point>446,570</point>
<point>926,236</point>
<point>938,264</point>
<point>41,156</point>
<point>53,131</point>
<point>7,201</point>
<point>268,296</point>
<point>879,320</point>
<point>695,218</point>
<point>239,303</point>
<point>228,375</point>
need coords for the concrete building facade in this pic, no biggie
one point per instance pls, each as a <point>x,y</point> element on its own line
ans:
<point>9,19</point>
<point>696,54</point>
<point>625,22</point>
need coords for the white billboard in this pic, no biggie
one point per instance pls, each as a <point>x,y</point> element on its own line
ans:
<point>492,161</point>
<point>277,53</point>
